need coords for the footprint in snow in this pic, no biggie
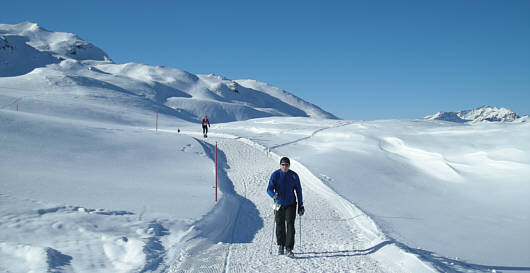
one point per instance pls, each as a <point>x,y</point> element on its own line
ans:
<point>326,178</point>
<point>186,148</point>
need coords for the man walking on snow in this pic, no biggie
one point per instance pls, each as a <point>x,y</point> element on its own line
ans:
<point>205,124</point>
<point>282,186</point>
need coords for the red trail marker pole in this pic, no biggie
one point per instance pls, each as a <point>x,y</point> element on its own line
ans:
<point>215,171</point>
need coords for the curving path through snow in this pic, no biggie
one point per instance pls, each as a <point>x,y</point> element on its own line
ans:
<point>237,235</point>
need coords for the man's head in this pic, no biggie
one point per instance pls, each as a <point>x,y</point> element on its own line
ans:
<point>285,163</point>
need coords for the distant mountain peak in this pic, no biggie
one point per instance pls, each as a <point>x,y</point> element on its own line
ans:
<point>484,113</point>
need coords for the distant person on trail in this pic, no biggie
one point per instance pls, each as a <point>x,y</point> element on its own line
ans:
<point>282,186</point>
<point>205,125</point>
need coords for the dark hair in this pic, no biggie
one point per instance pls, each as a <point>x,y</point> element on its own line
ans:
<point>285,160</point>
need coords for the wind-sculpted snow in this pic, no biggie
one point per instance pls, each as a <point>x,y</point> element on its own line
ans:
<point>431,163</point>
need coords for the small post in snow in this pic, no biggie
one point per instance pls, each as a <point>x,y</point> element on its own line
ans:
<point>157,120</point>
<point>216,171</point>
<point>17,107</point>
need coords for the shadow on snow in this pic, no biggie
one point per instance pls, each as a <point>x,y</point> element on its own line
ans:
<point>441,264</point>
<point>235,219</point>
<point>444,264</point>
<point>342,253</point>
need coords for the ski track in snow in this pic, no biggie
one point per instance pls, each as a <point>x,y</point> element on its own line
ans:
<point>330,242</point>
<point>339,124</point>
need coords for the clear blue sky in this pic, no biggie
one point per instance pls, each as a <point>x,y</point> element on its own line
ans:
<point>357,59</point>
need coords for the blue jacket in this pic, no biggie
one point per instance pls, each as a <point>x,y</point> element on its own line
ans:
<point>285,184</point>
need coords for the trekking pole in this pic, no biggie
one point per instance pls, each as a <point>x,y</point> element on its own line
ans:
<point>273,231</point>
<point>300,232</point>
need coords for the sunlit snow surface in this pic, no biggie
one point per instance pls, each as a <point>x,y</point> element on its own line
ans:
<point>88,184</point>
<point>458,190</point>
<point>103,196</point>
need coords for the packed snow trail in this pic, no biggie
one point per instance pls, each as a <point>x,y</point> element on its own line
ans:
<point>237,236</point>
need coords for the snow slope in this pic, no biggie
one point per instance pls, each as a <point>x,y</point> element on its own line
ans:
<point>95,197</point>
<point>38,61</point>
<point>26,46</point>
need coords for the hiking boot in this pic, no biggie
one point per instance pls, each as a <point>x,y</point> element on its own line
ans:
<point>290,253</point>
<point>280,250</point>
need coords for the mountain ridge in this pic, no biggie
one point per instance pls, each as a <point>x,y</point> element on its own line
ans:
<point>484,113</point>
<point>33,56</point>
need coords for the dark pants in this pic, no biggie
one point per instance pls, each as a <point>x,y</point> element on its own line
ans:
<point>205,129</point>
<point>285,215</point>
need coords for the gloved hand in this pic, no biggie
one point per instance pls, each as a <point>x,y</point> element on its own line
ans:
<point>276,197</point>
<point>301,210</point>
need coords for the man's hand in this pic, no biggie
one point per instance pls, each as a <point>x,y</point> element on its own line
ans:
<point>301,210</point>
<point>276,197</point>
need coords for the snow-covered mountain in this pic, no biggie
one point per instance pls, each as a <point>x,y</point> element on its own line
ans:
<point>481,114</point>
<point>39,63</point>
<point>26,46</point>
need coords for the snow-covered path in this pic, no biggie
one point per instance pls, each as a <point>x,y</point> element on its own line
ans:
<point>238,235</point>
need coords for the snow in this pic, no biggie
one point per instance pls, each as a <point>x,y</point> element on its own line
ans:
<point>26,46</point>
<point>54,198</point>
<point>246,245</point>
<point>88,184</point>
<point>439,186</point>
<point>312,110</point>
<point>65,63</point>
<point>481,114</point>
<point>23,258</point>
